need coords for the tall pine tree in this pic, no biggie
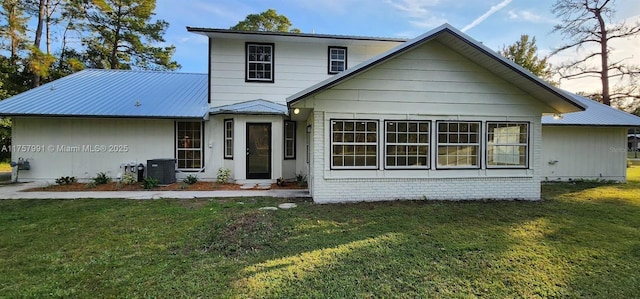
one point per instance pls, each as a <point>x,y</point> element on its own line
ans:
<point>123,35</point>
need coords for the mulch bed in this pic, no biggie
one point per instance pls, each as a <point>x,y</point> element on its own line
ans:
<point>198,186</point>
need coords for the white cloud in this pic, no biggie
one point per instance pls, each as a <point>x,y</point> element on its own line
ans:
<point>420,12</point>
<point>487,14</point>
<point>529,16</point>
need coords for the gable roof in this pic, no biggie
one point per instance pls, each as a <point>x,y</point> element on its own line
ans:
<point>251,107</point>
<point>596,114</point>
<point>115,93</point>
<point>473,50</point>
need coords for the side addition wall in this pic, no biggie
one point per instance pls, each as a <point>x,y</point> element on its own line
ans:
<point>584,153</point>
<point>83,147</point>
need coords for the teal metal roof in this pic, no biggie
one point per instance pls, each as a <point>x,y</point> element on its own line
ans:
<point>115,93</point>
<point>596,114</point>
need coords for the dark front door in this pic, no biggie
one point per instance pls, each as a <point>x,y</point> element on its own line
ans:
<point>258,151</point>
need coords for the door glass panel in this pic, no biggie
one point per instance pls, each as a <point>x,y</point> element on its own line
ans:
<point>258,151</point>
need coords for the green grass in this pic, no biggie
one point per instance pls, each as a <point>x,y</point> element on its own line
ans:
<point>632,155</point>
<point>582,241</point>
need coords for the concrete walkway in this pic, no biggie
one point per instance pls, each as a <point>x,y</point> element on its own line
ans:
<point>14,191</point>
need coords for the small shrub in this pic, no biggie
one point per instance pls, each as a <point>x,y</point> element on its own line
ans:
<point>190,180</point>
<point>183,185</point>
<point>301,179</point>
<point>280,181</point>
<point>66,180</point>
<point>224,175</point>
<point>101,179</point>
<point>129,178</point>
<point>150,183</point>
<point>91,185</point>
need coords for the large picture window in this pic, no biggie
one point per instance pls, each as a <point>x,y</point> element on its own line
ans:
<point>354,144</point>
<point>189,145</point>
<point>407,144</point>
<point>228,138</point>
<point>458,144</point>
<point>507,145</point>
<point>259,62</point>
<point>337,59</point>
<point>289,139</point>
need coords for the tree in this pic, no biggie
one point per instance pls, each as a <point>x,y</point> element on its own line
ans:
<point>268,20</point>
<point>121,35</point>
<point>524,53</point>
<point>586,23</point>
<point>15,29</point>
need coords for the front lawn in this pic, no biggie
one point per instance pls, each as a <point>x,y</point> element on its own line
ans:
<point>583,241</point>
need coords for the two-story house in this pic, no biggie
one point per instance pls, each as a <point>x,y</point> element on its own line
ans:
<point>440,116</point>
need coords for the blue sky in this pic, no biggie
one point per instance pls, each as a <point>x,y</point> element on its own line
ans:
<point>493,22</point>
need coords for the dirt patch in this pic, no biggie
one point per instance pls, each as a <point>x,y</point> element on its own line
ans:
<point>247,233</point>
<point>179,186</point>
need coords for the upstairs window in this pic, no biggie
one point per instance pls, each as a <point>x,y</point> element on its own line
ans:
<point>259,63</point>
<point>337,59</point>
<point>458,144</point>
<point>507,145</point>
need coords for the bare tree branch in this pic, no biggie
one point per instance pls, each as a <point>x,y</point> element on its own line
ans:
<point>589,22</point>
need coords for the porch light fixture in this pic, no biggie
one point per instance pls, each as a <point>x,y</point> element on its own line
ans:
<point>557,116</point>
<point>296,111</point>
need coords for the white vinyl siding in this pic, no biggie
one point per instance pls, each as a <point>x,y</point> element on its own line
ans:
<point>431,75</point>
<point>144,139</point>
<point>354,144</point>
<point>507,145</point>
<point>407,144</point>
<point>570,153</point>
<point>458,144</point>
<point>296,65</point>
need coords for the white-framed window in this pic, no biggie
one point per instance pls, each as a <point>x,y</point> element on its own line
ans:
<point>507,144</point>
<point>407,144</point>
<point>337,59</point>
<point>259,62</point>
<point>458,144</point>
<point>354,144</point>
<point>289,139</point>
<point>189,141</point>
<point>228,138</point>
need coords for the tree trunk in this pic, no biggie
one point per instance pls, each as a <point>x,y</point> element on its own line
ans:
<point>48,23</point>
<point>604,59</point>
<point>116,39</point>
<point>13,23</point>
<point>38,37</point>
